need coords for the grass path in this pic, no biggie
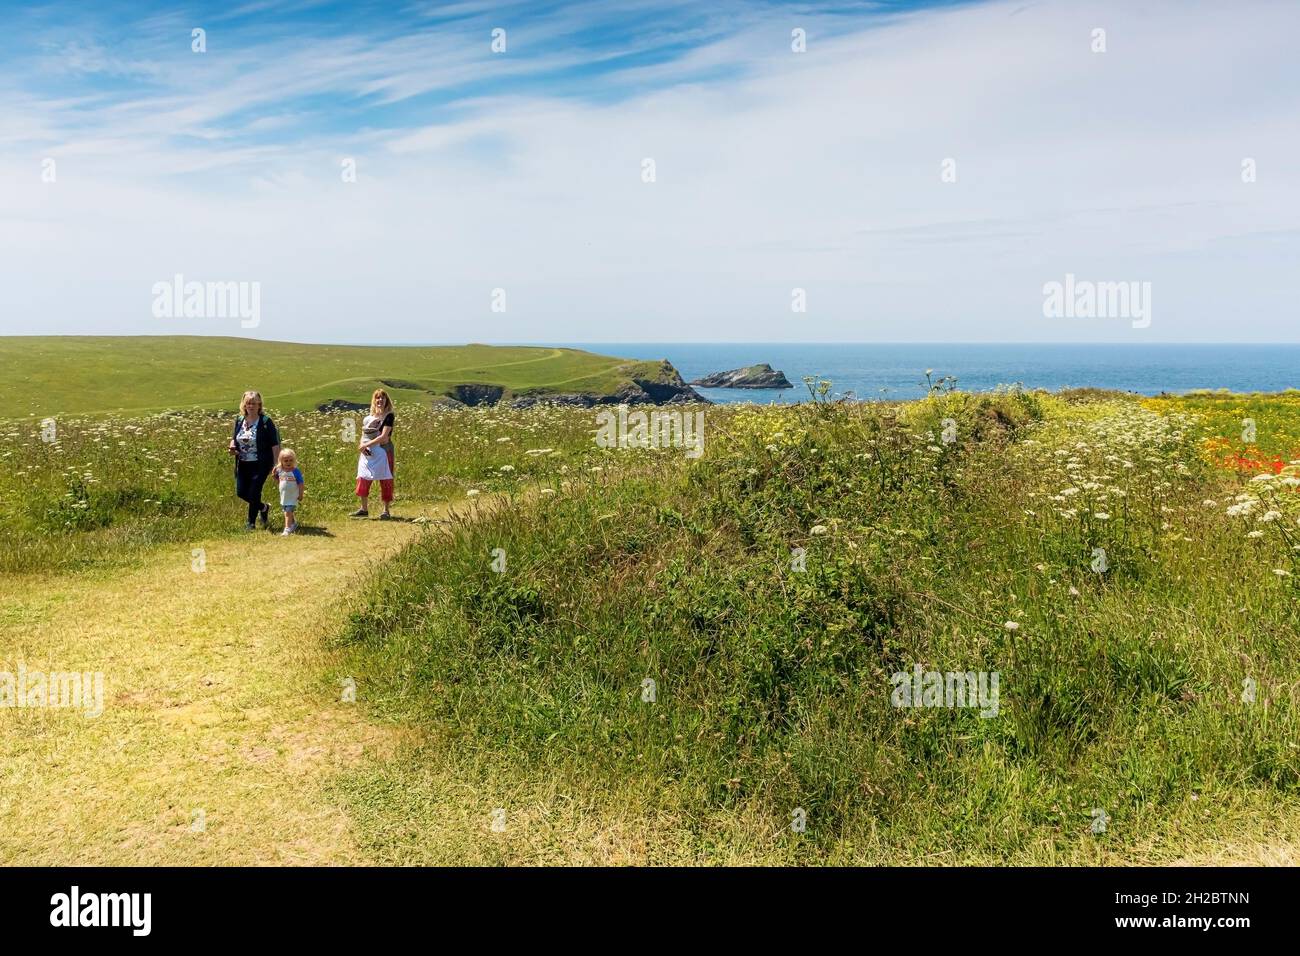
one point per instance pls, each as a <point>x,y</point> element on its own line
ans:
<point>214,702</point>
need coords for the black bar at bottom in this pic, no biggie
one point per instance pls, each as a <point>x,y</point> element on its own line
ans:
<point>336,906</point>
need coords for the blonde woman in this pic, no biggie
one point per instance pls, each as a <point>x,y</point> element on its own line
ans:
<point>255,443</point>
<point>375,461</point>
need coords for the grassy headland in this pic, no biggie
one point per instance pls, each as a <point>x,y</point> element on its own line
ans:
<point>81,375</point>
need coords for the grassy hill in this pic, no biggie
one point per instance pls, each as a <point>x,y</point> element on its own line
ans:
<point>72,375</point>
<point>728,660</point>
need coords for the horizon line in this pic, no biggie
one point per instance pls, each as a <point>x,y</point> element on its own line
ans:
<point>576,343</point>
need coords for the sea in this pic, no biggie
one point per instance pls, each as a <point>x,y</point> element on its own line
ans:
<point>895,371</point>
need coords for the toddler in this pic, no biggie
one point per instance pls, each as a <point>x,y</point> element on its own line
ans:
<point>292,488</point>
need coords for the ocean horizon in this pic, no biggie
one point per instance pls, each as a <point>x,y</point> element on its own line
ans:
<point>897,370</point>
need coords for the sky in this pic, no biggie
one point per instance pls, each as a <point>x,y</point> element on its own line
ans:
<point>651,172</point>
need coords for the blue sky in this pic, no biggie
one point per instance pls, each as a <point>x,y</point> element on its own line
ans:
<point>379,65</point>
<point>522,170</point>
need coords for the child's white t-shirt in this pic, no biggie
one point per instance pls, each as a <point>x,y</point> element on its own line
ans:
<point>289,487</point>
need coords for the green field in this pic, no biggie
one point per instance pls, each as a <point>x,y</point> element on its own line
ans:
<point>77,375</point>
<point>1127,567</point>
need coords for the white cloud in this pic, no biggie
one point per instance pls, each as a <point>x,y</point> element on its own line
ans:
<point>819,170</point>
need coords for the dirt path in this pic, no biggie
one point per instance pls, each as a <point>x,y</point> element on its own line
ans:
<point>218,728</point>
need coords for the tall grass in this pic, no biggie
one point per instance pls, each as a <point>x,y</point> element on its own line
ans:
<point>709,646</point>
<point>961,534</point>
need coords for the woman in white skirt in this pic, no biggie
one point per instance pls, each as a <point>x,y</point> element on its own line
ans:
<point>374,463</point>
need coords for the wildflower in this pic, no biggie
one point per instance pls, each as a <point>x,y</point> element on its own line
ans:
<point>1011,626</point>
<point>1101,516</point>
<point>1282,572</point>
<point>817,529</point>
<point>1255,534</point>
<point>1074,592</point>
<point>1268,516</point>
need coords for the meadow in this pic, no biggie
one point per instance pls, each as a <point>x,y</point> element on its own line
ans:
<point>639,657</point>
<point>99,490</point>
<point>79,375</point>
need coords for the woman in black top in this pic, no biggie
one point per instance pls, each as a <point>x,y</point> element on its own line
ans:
<point>255,443</point>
